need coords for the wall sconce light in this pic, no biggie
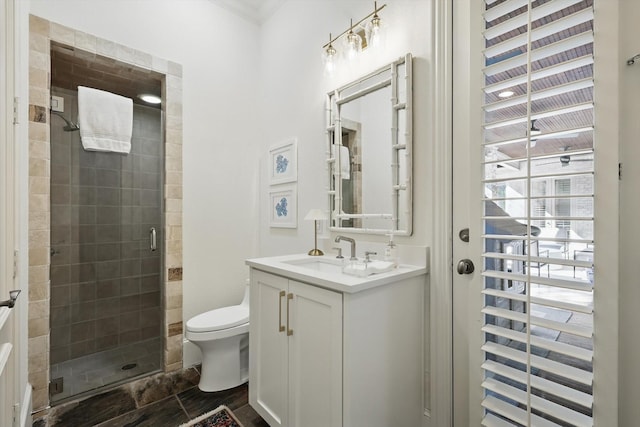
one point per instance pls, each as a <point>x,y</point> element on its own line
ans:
<point>354,42</point>
<point>329,57</point>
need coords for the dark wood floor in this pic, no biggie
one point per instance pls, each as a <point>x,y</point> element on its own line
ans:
<point>160,400</point>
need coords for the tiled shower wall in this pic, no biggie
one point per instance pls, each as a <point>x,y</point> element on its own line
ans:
<point>105,280</point>
<point>41,33</point>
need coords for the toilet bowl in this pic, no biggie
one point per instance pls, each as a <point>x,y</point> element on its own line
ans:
<point>223,338</point>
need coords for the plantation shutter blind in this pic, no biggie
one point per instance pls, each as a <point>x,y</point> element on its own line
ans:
<point>537,183</point>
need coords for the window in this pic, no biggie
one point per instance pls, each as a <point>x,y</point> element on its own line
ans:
<point>538,328</point>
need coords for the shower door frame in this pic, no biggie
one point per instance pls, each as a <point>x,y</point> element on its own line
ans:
<point>41,33</point>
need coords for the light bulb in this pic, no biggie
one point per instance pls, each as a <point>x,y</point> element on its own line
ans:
<point>353,43</point>
<point>375,29</point>
<point>374,36</point>
<point>329,59</point>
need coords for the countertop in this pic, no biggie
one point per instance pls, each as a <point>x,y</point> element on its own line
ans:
<point>285,266</point>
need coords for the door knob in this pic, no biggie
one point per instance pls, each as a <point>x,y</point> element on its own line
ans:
<point>465,266</point>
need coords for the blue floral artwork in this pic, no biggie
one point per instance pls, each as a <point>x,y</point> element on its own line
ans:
<point>281,207</point>
<point>281,164</point>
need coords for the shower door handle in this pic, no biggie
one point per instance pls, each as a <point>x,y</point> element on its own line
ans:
<point>153,239</point>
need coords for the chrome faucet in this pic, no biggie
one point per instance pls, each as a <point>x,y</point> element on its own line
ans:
<point>353,246</point>
<point>367,256</point>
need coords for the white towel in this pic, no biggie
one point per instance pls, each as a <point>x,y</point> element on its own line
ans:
<point>105,119</point>
<point>345,161</point>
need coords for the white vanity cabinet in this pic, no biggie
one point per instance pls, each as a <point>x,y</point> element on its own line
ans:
<point>329,351</point>
<point>296,352</point>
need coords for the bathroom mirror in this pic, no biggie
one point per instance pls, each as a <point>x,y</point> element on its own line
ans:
<point>369,152</point>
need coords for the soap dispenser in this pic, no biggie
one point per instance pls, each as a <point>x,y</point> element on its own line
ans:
<point>391,251</point>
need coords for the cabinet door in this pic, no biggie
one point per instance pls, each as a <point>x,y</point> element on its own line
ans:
<point>315,356</point>
<point>268,361</point>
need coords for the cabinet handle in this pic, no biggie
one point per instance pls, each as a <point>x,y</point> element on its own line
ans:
<point>280,325</point>
<point>289,331</point>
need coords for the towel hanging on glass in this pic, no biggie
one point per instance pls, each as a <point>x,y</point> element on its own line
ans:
<point>106,120</point>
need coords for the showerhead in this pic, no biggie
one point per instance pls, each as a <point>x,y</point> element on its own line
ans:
<point>69,126</point>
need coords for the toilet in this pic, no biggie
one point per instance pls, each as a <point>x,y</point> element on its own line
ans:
<point>223,338</point>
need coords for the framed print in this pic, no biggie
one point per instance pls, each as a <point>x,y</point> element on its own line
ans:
<point>283,209</point>
<point>283,162</point>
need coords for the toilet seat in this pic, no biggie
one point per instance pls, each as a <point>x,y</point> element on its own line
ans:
<point>219,319</point>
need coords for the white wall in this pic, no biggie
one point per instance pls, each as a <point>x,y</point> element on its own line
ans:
<point>629,213</point>
<point>244,89</point>
<point>293,95</point>
<point>219,55</point>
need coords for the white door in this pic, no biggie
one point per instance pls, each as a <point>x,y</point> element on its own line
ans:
<point>9,375</point>
<point>7,367</point>
<point>268,364</point>
<point>524,150</point>
<point>315,356</point>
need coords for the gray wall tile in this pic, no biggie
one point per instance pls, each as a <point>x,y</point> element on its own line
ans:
<point>105,283</point>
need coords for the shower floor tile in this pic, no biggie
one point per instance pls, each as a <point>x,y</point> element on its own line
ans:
<point>104,368</point>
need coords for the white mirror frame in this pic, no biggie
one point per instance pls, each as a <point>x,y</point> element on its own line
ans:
<point>398,142</point>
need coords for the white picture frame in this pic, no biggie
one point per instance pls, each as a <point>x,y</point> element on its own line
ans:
<point>283,162</point>
<point>283,207</point>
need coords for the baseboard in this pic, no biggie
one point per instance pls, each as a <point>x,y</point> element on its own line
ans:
<point>25,414</point>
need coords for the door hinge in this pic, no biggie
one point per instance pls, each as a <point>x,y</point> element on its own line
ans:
<point>16,108</point>
<point>15,263</point>
<point>16,415</point>
<point>620,171</point>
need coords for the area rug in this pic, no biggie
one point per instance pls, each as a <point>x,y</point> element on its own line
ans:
<point>219,417</point>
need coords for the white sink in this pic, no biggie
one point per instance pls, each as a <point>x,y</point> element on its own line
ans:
<point>341,266</point>
<point>324,265</point>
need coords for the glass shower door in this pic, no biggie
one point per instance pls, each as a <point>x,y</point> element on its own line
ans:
<point>106,302</point>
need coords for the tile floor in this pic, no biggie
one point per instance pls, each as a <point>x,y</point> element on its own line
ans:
<point>104,368</point>
<point>162,400</point>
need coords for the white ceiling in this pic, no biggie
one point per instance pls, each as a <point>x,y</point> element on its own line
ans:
<point>256,11</point>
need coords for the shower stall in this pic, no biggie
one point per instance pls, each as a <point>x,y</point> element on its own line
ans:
<point>106,310</point>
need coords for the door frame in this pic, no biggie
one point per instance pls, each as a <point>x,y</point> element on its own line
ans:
<point>439,396</point>
<point>14,195</point>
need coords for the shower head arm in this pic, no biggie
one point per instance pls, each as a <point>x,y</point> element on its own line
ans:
<point>70,125</point>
